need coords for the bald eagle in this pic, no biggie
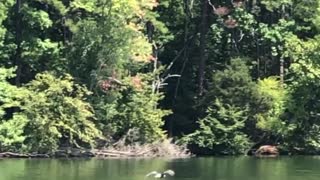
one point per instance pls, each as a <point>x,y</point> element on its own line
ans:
<point>164,174</point>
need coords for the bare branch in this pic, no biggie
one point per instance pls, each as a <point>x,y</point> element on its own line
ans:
<point>115,80</point>
<point>161,82</point>
<point>170,76</point>
<point>241,36</point>
<point>213,7</point>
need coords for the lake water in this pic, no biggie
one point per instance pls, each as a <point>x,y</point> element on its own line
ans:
<point>218,168</point>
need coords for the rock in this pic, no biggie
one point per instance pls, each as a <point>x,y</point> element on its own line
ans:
<point>75,153</point>
<point>88,154</point>
<point>61,154</point>
<point>267,150</point>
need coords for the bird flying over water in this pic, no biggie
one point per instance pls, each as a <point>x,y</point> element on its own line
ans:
<point>164,174</point>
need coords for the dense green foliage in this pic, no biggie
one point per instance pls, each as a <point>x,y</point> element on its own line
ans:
<point>222,76</point>
<point>132,109</point>
<point>58,114</point>
<point>11,128</point>
<point>269,98</point>
<point>46,113</point>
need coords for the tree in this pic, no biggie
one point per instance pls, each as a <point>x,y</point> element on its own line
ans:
<point>28,42</point>
<point>44,115</point>
<point>111,50</point>
<point>58,114</point>
<point>12,123</point>
<point>227,109</point>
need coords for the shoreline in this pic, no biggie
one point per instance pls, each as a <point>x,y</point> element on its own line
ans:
<point>95,153</point>
<point>107,154</point>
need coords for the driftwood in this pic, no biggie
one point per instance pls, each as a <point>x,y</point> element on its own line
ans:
<point>65,154</point>
<point>163,148</point>
<point>13,155</point>
<point>38,155</point>
<point>150,150</point>
<point>117,153</point>
<point>21,155</point>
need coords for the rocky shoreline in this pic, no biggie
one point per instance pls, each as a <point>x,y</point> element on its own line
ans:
<point>57,154</point>
<point>100,153</point>
<point>75,153</point>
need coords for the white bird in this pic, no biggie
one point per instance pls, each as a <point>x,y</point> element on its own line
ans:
<point>156,174</point>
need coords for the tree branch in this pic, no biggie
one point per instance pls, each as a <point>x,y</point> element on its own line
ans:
<point>213,7</point>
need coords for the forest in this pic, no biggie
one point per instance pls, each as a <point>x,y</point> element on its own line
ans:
<point>221,77</point>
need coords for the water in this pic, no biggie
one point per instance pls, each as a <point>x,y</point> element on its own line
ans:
<point>221,168</point>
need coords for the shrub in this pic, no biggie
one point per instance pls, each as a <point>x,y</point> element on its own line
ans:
<point>58,114</point>
<point>45,114</point>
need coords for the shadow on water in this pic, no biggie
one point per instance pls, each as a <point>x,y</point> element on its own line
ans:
<point>217,168</point>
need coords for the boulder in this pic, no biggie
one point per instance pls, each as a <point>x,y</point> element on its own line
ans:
<point>61,154</point>
<point>267,150</point>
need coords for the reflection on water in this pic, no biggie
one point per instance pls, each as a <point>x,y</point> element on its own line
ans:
<point>219,168</point>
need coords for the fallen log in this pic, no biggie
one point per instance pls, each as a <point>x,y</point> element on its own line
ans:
<point>13,155</point>
<point>117,153</point>
<point>39,156</point>
<point>22,155</point>
<point>107,155</point>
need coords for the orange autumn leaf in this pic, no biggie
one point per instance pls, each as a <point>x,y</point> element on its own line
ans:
<point>136,82</point>
<point>152,58</point>
<point>230,23</point>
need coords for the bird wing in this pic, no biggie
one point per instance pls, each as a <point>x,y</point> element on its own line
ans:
<point>152,173</point>
<point>169,172</point>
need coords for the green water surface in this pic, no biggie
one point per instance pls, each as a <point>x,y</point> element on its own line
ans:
<point>218,168</point>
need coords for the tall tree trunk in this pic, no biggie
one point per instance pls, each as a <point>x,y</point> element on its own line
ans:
<point>156,81</point>
<point>283,12</point>
<point>203,44</point>
<point>281,71</point>
<point>18,40</point>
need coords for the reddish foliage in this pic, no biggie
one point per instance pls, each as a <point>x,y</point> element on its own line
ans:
<point>237,3</point>
<point>136,82</point>
<point>230,23</point>
<point>105,85</point>
<point>152,58</point>
<point>222,11</point>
